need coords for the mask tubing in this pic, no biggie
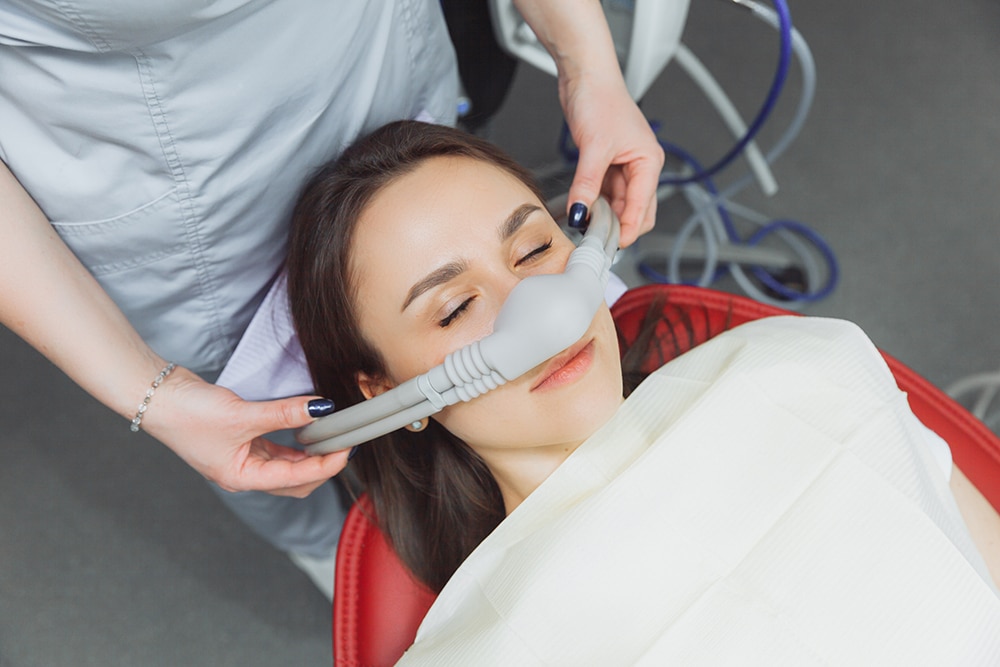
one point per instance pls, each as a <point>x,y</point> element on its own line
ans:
<point>403,397</point>
<point>345,440</point>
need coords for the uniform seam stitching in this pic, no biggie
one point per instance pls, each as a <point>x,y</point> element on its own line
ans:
<point>185,200</point>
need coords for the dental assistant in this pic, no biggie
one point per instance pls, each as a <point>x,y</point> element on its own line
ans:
<point>151,153</point>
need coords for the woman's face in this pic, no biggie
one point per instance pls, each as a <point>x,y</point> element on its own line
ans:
<point>435,255</point>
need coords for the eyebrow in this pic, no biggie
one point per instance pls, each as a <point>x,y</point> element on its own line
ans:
<point>515,220</point>
<point>452,270</point>
<point>438,276</point>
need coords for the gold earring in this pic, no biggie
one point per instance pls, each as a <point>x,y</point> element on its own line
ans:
<point>417,426</point>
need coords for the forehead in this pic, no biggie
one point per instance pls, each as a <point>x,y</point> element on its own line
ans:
<point>432,207</point>
<point>439,185</point>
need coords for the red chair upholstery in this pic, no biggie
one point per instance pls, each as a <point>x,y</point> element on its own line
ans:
<point>378,605</point>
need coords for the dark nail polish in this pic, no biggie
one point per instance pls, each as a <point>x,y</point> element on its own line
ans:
<point>578,215</point>
<point>319,407</point>
<point>354,450</point>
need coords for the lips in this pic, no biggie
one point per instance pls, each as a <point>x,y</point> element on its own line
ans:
<point>567,365</point>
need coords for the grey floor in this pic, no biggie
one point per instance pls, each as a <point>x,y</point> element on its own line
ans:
<point>112,552</point>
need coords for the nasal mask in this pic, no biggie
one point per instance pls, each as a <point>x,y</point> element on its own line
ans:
<point>542,316</point>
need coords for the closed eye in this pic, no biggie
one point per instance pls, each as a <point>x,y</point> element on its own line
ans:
<point>453,315</point>
<point>462,307</point>
<point>534,254</point>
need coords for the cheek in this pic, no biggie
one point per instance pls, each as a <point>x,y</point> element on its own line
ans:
<point>408,355</point>
<point>413,348</point>
<point>512,416</point>
<point>407,349</point>
<point>499,421</point>
<point>480,418</point>
<point>508,417</point>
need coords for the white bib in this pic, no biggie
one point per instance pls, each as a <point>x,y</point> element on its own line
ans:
<point>765,499</point>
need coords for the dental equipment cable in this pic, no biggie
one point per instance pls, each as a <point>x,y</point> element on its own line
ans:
<point>712,214</point>
<point>774,92</point>
<point>542,316</point>
<point>807,69</point>
<point>723,230</point>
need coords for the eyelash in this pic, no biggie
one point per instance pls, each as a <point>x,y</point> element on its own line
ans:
<point>453,315</point>
<point>462,307</point>
<point>540,250</point>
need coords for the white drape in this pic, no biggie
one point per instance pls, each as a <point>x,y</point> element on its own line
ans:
<point>765,499</point>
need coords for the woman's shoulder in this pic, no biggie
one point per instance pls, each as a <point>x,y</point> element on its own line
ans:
<point>794,336</point>
<point>790,347</point>
<point>802,330</point>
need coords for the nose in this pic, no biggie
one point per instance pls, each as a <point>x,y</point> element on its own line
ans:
<point>506,281</point>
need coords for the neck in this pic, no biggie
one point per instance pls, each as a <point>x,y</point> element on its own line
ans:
<point>519,472</point>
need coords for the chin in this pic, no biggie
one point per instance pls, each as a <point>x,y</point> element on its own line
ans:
<point>583,415</point>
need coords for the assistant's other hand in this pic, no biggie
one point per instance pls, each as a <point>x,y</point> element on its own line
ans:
<point>619,154</point>
<point>221,436</point>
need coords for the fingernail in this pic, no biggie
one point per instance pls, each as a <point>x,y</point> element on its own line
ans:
<point>577,215</point>
<point>319,407</point>
<point>354,450</point>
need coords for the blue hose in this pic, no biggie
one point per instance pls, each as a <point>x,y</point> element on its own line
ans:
<point>769,281</point>
<point>780,75</point>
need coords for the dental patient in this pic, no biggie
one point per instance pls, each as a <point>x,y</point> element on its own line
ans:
<point>765,498</point>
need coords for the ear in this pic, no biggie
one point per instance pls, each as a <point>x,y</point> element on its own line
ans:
<point>372,386</point>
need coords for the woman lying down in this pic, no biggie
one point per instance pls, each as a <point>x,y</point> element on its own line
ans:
<point>766,498</point>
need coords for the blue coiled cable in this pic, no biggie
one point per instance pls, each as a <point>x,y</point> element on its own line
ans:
<point>777,85</point>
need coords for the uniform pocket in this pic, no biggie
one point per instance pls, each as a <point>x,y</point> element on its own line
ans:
<point>146,234</point>
<point>145,261</point>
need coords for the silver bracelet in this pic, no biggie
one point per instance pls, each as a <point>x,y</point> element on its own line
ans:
<point>137,420</point>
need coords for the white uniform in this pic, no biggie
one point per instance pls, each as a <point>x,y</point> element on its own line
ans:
<point>167,142</point>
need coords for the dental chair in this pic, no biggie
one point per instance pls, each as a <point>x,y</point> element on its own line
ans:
<point>378,605</point>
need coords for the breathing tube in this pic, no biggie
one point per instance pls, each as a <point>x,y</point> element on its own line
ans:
<point>542,316</point>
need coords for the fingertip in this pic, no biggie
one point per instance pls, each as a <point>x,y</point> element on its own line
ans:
<point>627,237</point>
<point>631,230</point>
<point>580,197</point>
<point>577,215</point>
<point>335,462</point>
<point>638,217</point>
<point>319,407</point>
<point>584,189</point>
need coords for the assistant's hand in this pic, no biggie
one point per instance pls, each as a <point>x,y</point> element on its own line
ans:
<point>209,427</point>
<point>220,435</point>
<point>619,154</point>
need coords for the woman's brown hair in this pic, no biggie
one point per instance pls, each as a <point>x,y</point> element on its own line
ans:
<point>434,497</point>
